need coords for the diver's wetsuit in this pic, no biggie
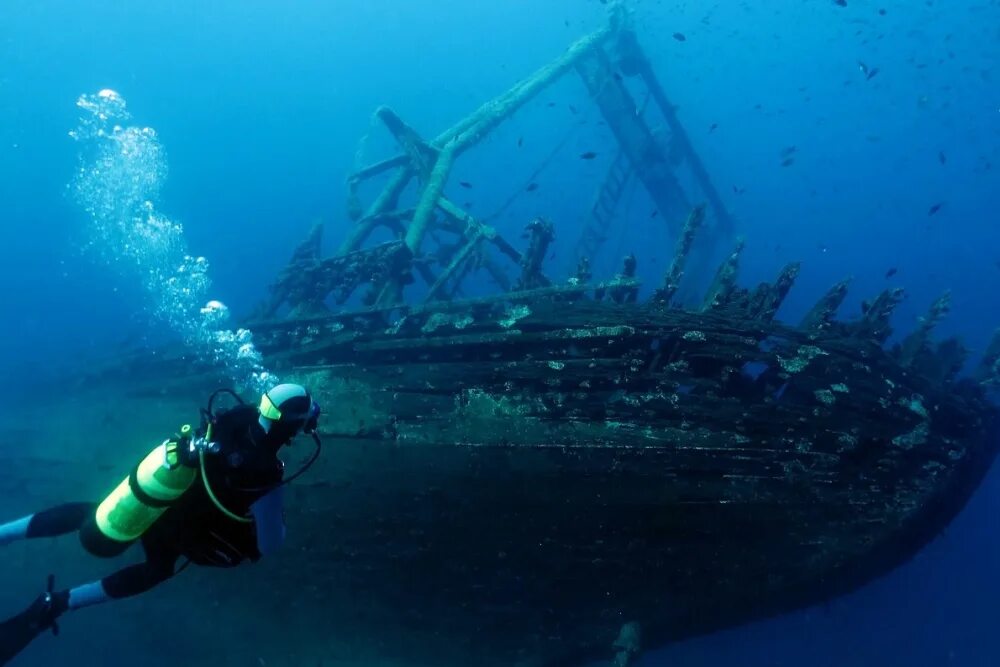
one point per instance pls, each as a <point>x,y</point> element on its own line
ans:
<point>206,517</point>
<point>240,473</point>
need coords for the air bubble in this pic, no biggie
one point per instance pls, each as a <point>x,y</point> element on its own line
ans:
<point>122,170</point>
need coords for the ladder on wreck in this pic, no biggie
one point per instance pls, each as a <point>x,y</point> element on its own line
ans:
<point>602,213</point>
<point>656,158</point>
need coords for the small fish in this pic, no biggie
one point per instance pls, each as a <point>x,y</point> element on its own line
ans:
<point>713,127</point>
<point>572,109</point>
<point>520,141</point>
<point>738,190</point>
<point>618,77</point>
<point>589,155</point>
<point>891,272</point>
<point>942,158</point>
<point>465,184</point>
<point>881,12</point>
<point>868,72</point>
<point>935,208</point>
<point>550,104</point>
<point>679,36</point>
<point>840,3</point>
<point>532,187</point>
<point>654,213</point>
<point>566,23</point>
<point>788,162</point>
<point>788,150</point>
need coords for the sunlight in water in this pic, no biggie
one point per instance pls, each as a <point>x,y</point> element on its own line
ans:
<point>121,170</point>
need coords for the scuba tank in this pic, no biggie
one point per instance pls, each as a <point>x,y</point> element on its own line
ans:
<point>139,500</point>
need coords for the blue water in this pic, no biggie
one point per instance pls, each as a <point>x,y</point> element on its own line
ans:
<point>261,108</point>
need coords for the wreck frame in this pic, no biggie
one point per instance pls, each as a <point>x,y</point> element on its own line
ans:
<point>603,60</point>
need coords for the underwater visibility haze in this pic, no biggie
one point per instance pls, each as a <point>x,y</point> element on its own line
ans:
<point>532,264</point>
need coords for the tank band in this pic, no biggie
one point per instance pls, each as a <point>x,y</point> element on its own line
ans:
<point>142,496</point>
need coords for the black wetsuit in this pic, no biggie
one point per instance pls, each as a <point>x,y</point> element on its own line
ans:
<point>245,468</point>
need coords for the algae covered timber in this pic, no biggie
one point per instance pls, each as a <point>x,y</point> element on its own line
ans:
<point>564,471</point>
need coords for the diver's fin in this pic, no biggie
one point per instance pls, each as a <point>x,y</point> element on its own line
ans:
<point>19,631</point>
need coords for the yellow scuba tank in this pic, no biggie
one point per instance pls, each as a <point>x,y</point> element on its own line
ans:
<point>141,498</point>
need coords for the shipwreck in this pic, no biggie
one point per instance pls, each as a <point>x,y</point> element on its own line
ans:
<point>574,469</point>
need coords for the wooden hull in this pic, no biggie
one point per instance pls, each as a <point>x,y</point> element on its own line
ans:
<point>513,492</point>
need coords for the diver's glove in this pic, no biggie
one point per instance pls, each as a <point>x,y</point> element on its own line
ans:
<point>47,608</point>
<point>19,631</point>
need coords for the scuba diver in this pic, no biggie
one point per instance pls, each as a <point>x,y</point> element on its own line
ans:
<point>211,496</point>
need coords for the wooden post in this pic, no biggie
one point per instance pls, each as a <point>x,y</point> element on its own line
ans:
<point>821,315</point>
<point>988,372</point>
<point>917,343</point>
<point>874,322</point>
<point>769,297</point>
<point>672,280</point>
<point>725,279</point>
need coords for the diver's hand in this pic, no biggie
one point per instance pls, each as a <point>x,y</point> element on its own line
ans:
<point>48,607</point>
